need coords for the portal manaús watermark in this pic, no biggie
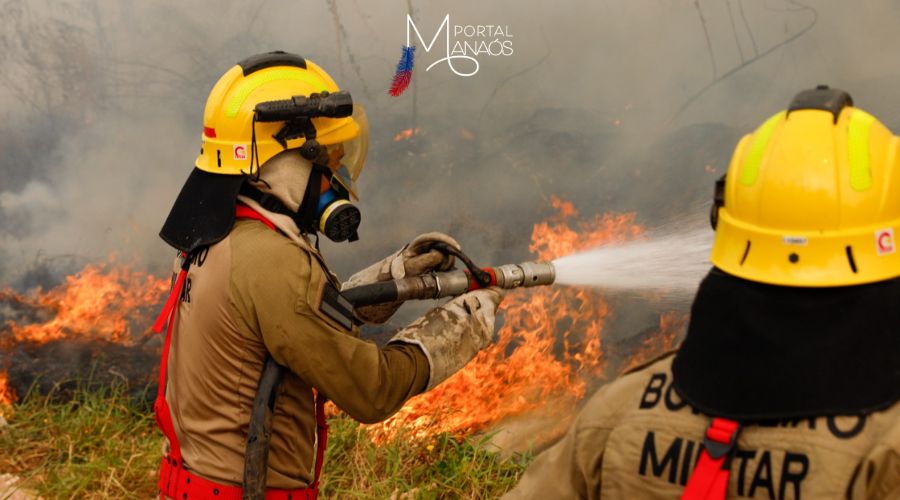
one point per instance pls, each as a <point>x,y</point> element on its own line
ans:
<point>463,45</point>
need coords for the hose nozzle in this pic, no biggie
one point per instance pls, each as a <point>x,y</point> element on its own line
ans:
<point>526,274</point>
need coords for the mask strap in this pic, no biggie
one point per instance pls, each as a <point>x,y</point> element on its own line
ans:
<point>309,208</point>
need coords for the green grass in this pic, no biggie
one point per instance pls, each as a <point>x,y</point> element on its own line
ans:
<point>102,443</point>
<point>99,443</point>
<point>441,467</point>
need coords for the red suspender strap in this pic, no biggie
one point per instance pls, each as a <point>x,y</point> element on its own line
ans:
<point>321,438</point>
<point>171,465</point>
<point>174,480</point>
<point>242,211</point>
<point>174,294</point>
<point>710,478</point>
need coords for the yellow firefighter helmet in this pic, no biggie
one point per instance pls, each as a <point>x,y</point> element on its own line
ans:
<point>811,198</point>
<point>231,128</point>
<point>262,106</point>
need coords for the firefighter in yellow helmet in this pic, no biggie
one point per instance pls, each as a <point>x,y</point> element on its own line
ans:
<point>258,334</point>
<point>787,384</point>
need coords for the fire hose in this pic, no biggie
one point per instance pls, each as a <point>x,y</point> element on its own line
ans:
<point>428,286</point>
<point>452,283</point>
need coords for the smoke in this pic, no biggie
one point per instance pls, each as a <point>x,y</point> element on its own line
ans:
<point>623,106</point>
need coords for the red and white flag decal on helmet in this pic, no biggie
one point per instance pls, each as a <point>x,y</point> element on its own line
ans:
<point>884,241</point>
<point>240,151</point>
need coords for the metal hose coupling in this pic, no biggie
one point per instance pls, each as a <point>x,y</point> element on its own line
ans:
<point>451,283</point>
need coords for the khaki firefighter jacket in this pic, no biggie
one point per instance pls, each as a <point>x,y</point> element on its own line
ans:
<point>636,439</point>
<point>259,292</point>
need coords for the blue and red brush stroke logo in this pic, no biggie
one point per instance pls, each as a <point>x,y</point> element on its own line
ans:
<point>468,42</point>
<point>404,71</point>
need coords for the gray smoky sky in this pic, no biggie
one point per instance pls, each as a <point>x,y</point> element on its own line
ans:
<point>615,105</point>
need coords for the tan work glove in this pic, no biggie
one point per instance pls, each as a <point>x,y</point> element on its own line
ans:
<point>452,334</point>
<point>414,259</point>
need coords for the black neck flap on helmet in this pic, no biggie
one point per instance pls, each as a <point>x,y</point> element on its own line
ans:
<point>758,352</point>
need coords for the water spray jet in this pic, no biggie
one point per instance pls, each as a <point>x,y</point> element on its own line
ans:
<point>672,260</point>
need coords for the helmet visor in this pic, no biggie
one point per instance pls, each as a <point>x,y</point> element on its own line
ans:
<point>348,158</point>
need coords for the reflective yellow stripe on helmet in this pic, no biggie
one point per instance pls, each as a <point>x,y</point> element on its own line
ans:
<point>858,149</point>
<point>256,80</point>
<point>758,149</point>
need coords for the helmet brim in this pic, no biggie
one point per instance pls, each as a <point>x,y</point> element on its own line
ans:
<point>203,213</point>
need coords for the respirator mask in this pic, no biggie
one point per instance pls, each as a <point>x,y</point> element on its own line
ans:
<point>338,218</point>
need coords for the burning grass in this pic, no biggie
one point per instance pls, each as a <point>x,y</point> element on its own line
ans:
<point>101,311</point>
<point>102,443</point>
<point>7,393</point>
<point>99,302</point>
<point>549,348</point>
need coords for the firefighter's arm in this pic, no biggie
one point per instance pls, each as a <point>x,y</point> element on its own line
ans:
<point>306,329</point>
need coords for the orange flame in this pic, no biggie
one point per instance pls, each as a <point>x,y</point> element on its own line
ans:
<point>549,345</point>
<point>406,134</point>
<point>7,394</point>
<point>98,302</point>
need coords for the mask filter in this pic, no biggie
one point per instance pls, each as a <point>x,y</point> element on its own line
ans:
<point>338,218</point>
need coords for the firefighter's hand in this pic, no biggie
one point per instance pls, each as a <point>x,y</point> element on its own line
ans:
<point>420,256</point>
<point>452,334</point>
<point>415,258</point>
